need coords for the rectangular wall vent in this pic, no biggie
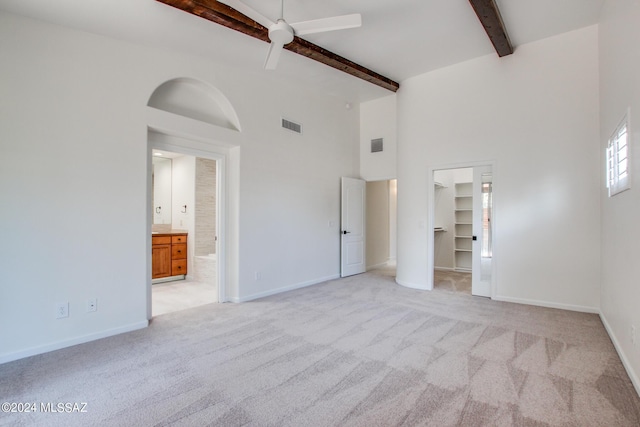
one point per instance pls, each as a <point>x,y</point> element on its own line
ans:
<point>292,126</point>
<point>376,145</point>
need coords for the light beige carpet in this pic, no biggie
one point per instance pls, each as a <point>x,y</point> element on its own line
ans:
<point>452,281</point>
<point>360,351</point>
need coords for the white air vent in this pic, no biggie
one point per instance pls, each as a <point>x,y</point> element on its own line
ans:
<point>376,145</point>
<point>292,126</point>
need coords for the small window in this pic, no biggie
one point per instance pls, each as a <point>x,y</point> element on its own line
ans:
<point>618,166</point>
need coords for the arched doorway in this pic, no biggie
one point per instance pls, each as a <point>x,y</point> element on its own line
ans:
<point>195,121</point>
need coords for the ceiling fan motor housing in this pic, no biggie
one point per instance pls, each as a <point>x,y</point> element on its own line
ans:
<point>281,33</point>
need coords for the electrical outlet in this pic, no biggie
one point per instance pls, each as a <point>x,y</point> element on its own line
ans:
<point>92,305</point>
<point>62,310</point>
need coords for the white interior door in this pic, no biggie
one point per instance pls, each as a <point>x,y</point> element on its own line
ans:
<point>352,233</point>
<point>482,255</point>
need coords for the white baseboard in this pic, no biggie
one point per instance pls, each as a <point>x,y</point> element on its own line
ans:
<point>168,279</point>
<point>284,289</point>
<point>9,357</point>
<point>420,287</point>
<point>382,264</point>
<point>625,362</point>
<point>444,268</point>
<point>570,307</point>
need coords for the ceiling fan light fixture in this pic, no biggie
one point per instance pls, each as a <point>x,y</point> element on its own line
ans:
<point>281,33</point>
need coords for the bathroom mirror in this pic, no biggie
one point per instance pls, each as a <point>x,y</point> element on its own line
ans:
<point>161,182</point>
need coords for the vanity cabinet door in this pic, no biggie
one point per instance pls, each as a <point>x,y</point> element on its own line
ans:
<point>160,261</point>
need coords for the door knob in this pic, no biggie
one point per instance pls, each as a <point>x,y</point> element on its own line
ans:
<point>346,232</point>
<point>474,238</point>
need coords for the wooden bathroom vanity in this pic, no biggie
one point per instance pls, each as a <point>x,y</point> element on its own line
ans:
<point>169,255</point>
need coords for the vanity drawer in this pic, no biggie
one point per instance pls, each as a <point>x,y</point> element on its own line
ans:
<point>178,266</point>
<point>178,239</point>
<point>179,251</point>
<point>161,240</point>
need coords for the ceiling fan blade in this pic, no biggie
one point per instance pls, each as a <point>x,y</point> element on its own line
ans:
<point>249,12</point>
<point>327,24</point>
<point>275,49</point>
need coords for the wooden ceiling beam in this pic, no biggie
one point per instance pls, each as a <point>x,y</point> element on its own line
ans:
<point>224,15</point>
<point>489,16</point>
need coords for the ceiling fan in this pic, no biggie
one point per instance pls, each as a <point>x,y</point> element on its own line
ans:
<point>282,33</point>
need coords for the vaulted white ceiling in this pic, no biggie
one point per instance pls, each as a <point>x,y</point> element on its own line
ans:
<point>398,38</point>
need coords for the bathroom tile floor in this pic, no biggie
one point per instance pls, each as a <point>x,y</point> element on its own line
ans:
<point>180,295</point>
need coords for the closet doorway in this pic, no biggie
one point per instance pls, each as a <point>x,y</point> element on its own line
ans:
<point>462,239</point>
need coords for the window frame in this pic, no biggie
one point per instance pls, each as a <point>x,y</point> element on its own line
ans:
<point>618,181</point>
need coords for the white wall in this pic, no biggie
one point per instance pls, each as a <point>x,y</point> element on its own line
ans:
<point>378,120</point>
<point>443,216</point>
<point>535,115</point>
<point>377,223</point>
<point>393,219</point>
<point>183,192</point>
<point>79,228</point>
<point>620,88</point>
<point>162,191</point>
<point>290,187</point>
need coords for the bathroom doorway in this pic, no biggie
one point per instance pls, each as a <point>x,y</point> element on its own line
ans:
<point>184,199</point>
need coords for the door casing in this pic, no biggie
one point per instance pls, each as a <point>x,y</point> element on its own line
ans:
<point>431,214</point>
<point>221,189</point>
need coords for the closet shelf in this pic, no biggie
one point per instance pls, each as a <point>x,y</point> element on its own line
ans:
<point>463,213</point>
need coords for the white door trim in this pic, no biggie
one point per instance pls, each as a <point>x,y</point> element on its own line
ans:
<point>176,146</point>
<point>478,286</point>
